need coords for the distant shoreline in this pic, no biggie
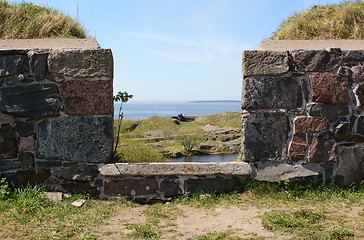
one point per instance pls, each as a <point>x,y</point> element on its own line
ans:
<point>210,101</point>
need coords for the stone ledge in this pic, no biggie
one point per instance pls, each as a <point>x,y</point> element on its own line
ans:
<point>57,43</point>
<point>169,169</point>
<point>290,45</point>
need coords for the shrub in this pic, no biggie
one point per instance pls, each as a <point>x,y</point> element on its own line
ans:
<point>189,141</point>
<point>342,21</point>
<point>27,21</point>
<point>137,152</point>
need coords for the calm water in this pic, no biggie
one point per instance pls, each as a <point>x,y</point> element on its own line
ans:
<point>142,110</point>
<point>207,158</point>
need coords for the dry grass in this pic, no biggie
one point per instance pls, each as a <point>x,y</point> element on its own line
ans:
<point>28,21</point>
<point>343,21</point>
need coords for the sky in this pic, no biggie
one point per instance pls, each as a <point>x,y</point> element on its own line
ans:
<point>179,50</point>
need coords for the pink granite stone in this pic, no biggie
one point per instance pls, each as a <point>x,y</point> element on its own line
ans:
<point>26,144</point>
<point>87,98</point>
<point>329,88</point>
<point>310,124</point>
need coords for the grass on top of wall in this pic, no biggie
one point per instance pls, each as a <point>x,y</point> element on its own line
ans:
<point>342,21</point>
<point>29,21</point>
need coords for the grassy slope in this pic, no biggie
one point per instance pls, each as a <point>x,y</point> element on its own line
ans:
<point>28,21</point>
<point>155,123</point>
<point>343,21</point>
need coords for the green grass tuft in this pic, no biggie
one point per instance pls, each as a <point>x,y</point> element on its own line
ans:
<point>342,21</point>
<point>29,21</point>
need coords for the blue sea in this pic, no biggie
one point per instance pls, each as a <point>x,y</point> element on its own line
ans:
<point>142,110</point>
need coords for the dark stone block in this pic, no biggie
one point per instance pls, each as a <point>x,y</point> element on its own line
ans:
<point>170,188</point>
<point>12,65</point>
<point>265,137</point>
<point>15,79</point>
<point>360,125</point>
<point>265,63</point>
<point>8,142</point>
<point>271,93</point>
<point>8,165</point>
<point>130,187</point>
<point>38,65</point>
<point>48,163</point>
<point>359,92</point>
<point>24,129</point>
<point>22,178</point>
<point>315,61</point>
<point>343,133</point>
<point>33,100</point>
<point>353,57</point>
<point>327,110</point>
<point>81,188</point>
<point>26,160</point>
<point>351,167</point>
<point>1,82</point>
<point>80,172</point>
<point>82,139</point>
<point>217,184</point>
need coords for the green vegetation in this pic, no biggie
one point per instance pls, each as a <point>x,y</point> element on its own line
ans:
<point>27,21</point>
<point>287,210</point>
<point>137,152</point>
<point>343,21</point>
<point>170,137</point>
<point>189,141</point>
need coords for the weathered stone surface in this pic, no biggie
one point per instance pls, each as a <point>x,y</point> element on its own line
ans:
<point>130,187</point>
<point>264,63</point>
<point>26,144</point>
<point>310,124</point>
<point>24,129</point>
<point>87,98</point>
<point>315,60</point>
<point>83,139</point>
<point>81,188</point>
<point>343,133</point>
<point>175,168</point>
<point>22,178</point>
<point>81,63</point>
<point>297,149</point>
<point>359,92</point>
<point>38,65</point>
<point>273,172</point>
<point>12,65</point>
<point>327,110</point>
<point>216,184</point>
<point>56,78</point>
<point>344,71</point>
<point>322,150</point>
<point>271,93</point>
<point>33,100</point>
<point>353,57</point>
<point>358,73</point>
<point>360,125</point>
<point>265,136</point>
<point>8,142</point>
<point>351,166</point>
<point>329,88</point>
<point>81,172</point>
<point>8,165</point>
<point>48,163</point>
<point>170,188</point>
<point>4,118</point>
<point>26,160</point>
<point>14,79</point>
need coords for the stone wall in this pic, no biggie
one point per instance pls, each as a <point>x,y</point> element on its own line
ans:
<point>56,119</point>
<point>304,109</point>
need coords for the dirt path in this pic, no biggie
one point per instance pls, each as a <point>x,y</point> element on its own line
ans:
<point>186,222</point>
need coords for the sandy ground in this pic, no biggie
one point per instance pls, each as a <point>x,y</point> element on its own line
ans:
<point>190,222</point>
